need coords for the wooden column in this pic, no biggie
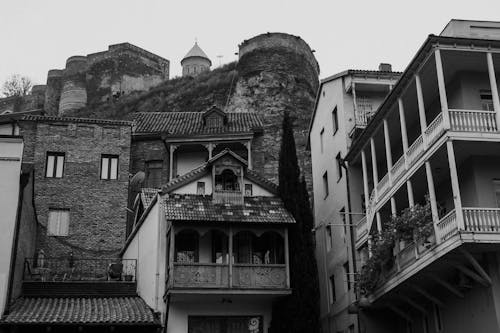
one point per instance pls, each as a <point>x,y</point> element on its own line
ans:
<point>365,179</point>
<point>421,108</point>
<point>455,185</point>
<point>404,133</point>
<point>494,88</point>
<point>374,167</point>
<point>409,188</point>
<point>388,153</point>
<point>249,153</point>
<point>442,89</point>
<point>379,222</point>
<point>171,255</point>
<point>432,197</point>
<point>354,100</point>
<point>287,259</point>
<point>393,207</point>
<point>230,259</point>
<point>171,162</point>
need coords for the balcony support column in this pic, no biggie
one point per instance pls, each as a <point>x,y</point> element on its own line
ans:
<point>494,88</point>
<point>379,222</point>
<point>394,210</point>
<point>354,101</point>
<point>455,185</point>
<point>230,259</point>
<point>421,109</point>
<point>287,259</point>
<point>409,188</point>
<point>249,153</point>
<point>171,162</point>
<point>374,168</point>
<point>442,89</point>
<point>171,256</point>
<point>404,134</point>
<point>365,180</point>
<point>432,198</point>
<point>388,154</point>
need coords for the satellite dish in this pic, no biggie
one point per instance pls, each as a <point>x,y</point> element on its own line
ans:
<point>138,179</point>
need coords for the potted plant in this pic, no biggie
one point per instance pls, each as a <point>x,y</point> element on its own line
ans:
<point>129,274</point>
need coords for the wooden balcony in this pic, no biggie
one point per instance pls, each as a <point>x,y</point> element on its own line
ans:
<point>228,197</point>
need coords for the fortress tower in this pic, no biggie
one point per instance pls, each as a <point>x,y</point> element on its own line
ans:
<point>277,72</point>
<point>195,62</point>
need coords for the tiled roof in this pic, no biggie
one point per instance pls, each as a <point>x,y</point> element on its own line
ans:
<point>147,196</point>
<point>191,123</point>
<point>77,120</point>
<point>79,310</point>
<point>196,51</point>
<point>197,208</point>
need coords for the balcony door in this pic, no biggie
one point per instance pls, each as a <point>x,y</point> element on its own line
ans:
<point>229,324</point>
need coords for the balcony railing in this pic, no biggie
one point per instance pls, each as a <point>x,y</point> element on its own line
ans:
<point>209,275</point>
<point>398,168</point>
<point>383,185</point>
<point>434,130</point>
<point>472,121</point>
<point>361,228</point>
<point>415,150</point>
<point>363,117</point>
<point>228,197</point>
<point>73,269</point>
<point>482,219</point>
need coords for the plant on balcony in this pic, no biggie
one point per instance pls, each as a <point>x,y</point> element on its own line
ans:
<point>413,224</point>
<point>298,312</point>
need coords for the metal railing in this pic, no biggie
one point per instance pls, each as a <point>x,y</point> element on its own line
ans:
<point>472,121</point>
<point>229,197</point>
<point>77,269</point>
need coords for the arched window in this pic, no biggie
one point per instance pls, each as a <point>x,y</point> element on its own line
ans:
<point>270,247</point>
<point>243,248</point>
<point>219,247</point>
<point>187,246</point>
<point>227,181</point>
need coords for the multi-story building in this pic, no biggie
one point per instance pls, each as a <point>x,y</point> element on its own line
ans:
<point>429,158</point>
<point>344,105</point>
<point>212,242</point>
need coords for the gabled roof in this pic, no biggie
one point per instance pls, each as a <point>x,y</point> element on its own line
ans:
<point>214,109</point>
<point>204,168</point>
<point>80,310</point>
<point>192,123</point>
<point>196,51</point>
<point>200,208</point>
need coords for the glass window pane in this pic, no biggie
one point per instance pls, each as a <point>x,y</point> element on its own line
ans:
<point>52,225</point>
<point>104,167</point>
<point>59,166</point>
<point>114,168</point>
<point>64,223</point>
<point>50,166</point>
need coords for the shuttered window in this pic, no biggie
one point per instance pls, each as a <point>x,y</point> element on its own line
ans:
<point>58,224</point>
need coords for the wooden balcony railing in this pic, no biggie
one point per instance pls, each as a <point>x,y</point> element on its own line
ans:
<point>361,228</point>
<point>363,117</point>
<point>434,130</point>
<point>210,275</point>
<point>482,219</point>
<point>447,226</point>
<point>472,121</point>
<point>383,185</point>
<point>415,150</point>
<point>228,197</point>
<point>73,269</point>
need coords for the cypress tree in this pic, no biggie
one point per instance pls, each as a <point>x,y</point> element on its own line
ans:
<point>298,312</point>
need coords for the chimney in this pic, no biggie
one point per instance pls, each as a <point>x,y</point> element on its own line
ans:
<point>383,67</point>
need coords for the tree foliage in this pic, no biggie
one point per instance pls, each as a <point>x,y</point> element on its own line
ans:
<point>298,312</point>
<point>17,85</point>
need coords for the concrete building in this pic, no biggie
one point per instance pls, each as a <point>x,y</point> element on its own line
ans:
<point>428,162</point>
<point>345,104</point>
<point>211,242</point>
<point>195,62</point>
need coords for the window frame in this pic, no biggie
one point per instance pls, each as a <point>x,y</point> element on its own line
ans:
<point>335,120</point>
<point>200,185</point>
<point>58,210</point>
<point>338,159</point>
<point>110,157</point>
<point>151,165</point>
<point>321,138</point>
<point>326,190</point>
<point>55,164</point>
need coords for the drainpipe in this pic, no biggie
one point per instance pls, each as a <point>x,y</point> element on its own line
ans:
<point>158,257</point>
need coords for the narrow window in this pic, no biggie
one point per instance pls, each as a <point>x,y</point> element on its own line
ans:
<point>54,165</point>
<point>248,190</point>
<point>153,173</point>
<point>321,134</point>
<point>109,167</point>
<point>333,297</point>
<point>338,158</point>
<point>343,219</point>
<point>437,318</point>
<point>347,275</point>
<point>335,120</point>
<point>328,238</point>
<point>325,184</point>
<point>58,224</point>
<point>200,188</point>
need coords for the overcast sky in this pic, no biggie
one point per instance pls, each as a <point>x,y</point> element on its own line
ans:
<point>40,35</point>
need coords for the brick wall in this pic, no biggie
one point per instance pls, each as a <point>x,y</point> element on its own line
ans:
<point>97,207</point>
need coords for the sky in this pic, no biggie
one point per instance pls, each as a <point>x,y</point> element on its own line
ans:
<point>357,34</point>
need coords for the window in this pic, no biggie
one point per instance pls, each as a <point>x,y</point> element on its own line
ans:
<point>153,173</point>
<point>437,318</point>
<point>200,188</point>
<point>187,246</point>
<point>58,224</point>
<point>486,100</point>
<point>333,297</point>
<point>344,223</point>
<point>347,275</point>
<point>109,167</point>
<point>54,165</point>
<point>325,184</point>
<point>335,121</point>
<point>338,158</point>
<point>321,139</point>
<point>248,190</point>
<point>328,238</point>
